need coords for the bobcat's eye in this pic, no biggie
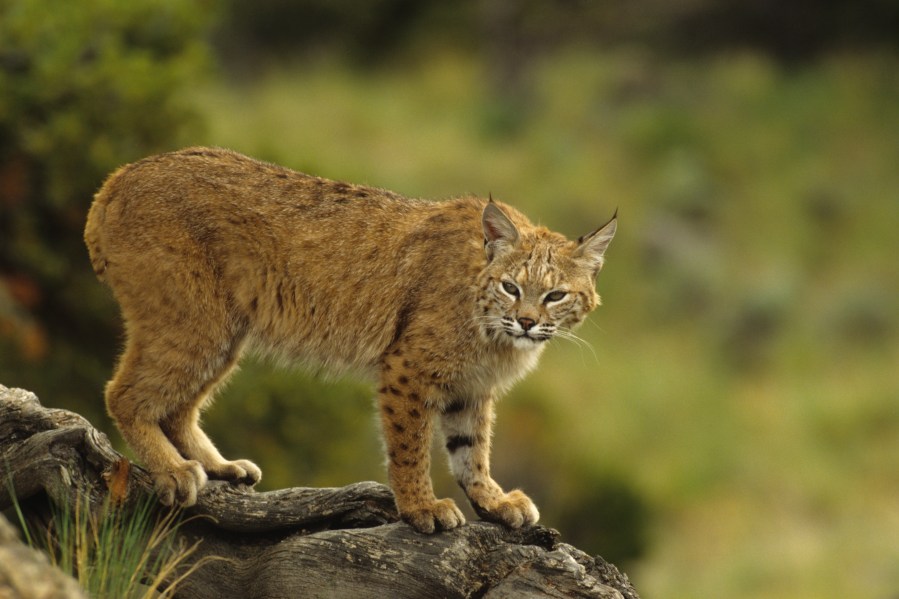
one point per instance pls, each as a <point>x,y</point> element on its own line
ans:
<point>511,289</point>
<point>554,296</point>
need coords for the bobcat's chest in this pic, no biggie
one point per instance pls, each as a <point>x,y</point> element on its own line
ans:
<point>500,370</point>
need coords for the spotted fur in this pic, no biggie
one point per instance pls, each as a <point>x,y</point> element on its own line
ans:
<point>210,253</point>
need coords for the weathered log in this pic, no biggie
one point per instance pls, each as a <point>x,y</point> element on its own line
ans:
<point>341,542</point>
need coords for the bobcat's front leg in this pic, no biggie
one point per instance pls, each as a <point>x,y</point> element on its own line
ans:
<point>407,425</point>
<point>468,426</point>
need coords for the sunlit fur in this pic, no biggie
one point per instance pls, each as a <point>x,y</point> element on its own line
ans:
<point>211,254</point>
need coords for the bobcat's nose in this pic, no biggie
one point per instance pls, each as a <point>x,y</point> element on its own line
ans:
<point>526,323</point>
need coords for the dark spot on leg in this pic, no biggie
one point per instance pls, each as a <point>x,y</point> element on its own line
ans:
<point>404,447</point>
<point>398,427</point>
<point>456,441</point>
<point>390,411</point>
<point>395,391</point>
<point>414,396</point>
<point>414,413</point>
<point>455,406</point>
<point>403,380</point>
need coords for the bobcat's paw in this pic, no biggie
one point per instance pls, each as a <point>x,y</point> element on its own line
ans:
<point>242,472</point>
<point>442,514</point>
<point>181,485</point>
<point>513,509</point>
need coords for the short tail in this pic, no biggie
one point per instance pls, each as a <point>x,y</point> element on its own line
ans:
<point>93,230</point>
<point>93,238</point>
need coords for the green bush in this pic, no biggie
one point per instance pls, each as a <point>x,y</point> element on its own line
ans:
<point>84,87</point>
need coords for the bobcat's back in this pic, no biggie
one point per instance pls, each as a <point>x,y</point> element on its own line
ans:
<point>318,270</point>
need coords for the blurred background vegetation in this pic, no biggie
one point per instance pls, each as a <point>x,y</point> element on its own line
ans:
<point>734,430</point>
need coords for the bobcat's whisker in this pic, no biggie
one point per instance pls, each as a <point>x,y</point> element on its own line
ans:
<point>595,324</point>
<point>578,341</point>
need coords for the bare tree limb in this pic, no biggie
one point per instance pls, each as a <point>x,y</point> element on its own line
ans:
<point>338,542</point>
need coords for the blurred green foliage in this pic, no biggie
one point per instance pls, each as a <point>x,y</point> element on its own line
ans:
<point>84,87</point>
<point>732,429</point>
<point>370,32</point>
<point>735,417</point>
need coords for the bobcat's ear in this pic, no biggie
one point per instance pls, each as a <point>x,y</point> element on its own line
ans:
<point>592,247</point>
<point>500,233</point>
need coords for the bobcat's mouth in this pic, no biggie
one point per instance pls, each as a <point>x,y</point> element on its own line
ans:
<point>538,338</point>
<point>523,339</point>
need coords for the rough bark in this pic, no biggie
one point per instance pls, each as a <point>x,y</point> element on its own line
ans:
<point>340,542</point>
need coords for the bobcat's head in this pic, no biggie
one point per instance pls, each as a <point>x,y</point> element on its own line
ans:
<point>536,283</point>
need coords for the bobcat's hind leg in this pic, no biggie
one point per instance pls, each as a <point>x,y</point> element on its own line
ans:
<point>182,427</point>
<point>183,430</point>
<point>155,398</point>
<point>138,398</point>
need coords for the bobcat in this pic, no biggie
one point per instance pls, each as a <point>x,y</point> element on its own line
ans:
<point>210,253</point>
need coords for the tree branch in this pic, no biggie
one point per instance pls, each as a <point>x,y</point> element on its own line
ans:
<point>338,542</point>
